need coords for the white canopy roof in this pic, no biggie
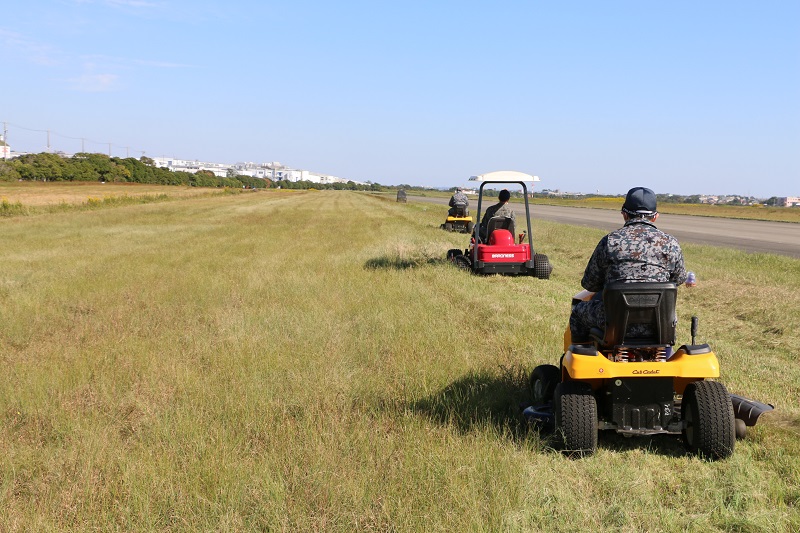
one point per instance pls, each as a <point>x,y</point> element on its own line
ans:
<point>504,176</point>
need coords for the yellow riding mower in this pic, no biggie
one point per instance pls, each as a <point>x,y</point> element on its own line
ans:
<point>630,380</point>
<point>458,220</point>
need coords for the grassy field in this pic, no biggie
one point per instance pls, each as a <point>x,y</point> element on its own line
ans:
<point>307,361</point>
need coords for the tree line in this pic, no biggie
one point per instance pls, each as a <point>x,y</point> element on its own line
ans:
<point>85,166</point>
<point>98,167</point>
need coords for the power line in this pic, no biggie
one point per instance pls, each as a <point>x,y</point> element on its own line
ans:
<point>83,140</point>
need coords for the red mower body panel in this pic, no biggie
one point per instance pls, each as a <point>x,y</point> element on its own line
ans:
<point>515,253</point>
<point>502,255</point>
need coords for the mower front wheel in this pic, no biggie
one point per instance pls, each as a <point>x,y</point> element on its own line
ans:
<point>452,253</point>
<point>544,379</point>
<point>463,262</point>
<point>709,422</point>
<point>575,410</point>
<point>448,226</point>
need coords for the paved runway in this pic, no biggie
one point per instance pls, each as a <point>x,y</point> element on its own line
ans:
<point>749,235</point>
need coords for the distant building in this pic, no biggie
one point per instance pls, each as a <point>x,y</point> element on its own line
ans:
<point>724,199</point>
<point>193,166</point>
<point>789,201</point>
<point>273,171</point>
<point>558,193</point>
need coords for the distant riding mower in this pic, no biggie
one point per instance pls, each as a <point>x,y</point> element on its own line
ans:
<point>458,220</point>
<point>494,250</point>
<point>630,380</point>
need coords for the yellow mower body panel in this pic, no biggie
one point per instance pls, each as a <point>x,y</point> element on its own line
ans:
<point>680,365</point>
<point>453,220</point>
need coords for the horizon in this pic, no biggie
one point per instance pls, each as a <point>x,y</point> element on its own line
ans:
<point>468,187</point>
<point>590,97</point>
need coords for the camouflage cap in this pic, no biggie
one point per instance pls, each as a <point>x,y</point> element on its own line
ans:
<point>640,201</point>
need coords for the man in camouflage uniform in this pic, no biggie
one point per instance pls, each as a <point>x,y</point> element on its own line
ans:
<point>500,209</point>
<point>459,204</point>
<point>636,252</point>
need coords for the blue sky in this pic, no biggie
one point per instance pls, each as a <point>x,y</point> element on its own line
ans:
<point>683,97</point>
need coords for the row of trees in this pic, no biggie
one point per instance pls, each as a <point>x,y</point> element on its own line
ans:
<point>99,167</point>
<point>349,186</point>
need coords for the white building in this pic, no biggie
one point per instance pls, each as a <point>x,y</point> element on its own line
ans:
<point>273,171</point>
<point>789,201</point>
<point>193,166</point>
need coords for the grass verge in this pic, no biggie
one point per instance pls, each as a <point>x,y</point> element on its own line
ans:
<point>309,361</point>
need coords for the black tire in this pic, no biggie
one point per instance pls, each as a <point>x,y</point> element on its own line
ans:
<point>541,266</point>
<point>448,226</point>
<point>452,253</point>
<point>575,411</point>
<point>544,379</point>
<point>470,226</point>
<point>708,418</point>
<point>463,262</point>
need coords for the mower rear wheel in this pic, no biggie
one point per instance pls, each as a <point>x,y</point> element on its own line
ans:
<point>544,379</point>
<point>452,253</point>
<point>470,226</point>
<point>541,266</point>
<point>707,413</point>
<point>576,417</point>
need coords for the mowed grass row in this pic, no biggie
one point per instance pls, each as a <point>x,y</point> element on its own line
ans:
<point>308,361</point>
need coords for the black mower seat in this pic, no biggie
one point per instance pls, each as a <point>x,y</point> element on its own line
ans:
<point>459,211</point>
<point>639,313</point>
<point>499,223</point>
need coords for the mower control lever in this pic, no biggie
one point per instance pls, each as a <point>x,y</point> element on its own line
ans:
<point>694,329</point>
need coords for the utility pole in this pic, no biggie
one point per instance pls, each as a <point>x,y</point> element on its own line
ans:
<point>6,148</point>
<point>127,154</point>
<point>83,150</point>
<point>48,141</point>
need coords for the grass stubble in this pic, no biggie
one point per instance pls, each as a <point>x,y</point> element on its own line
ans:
<point>308,361</point>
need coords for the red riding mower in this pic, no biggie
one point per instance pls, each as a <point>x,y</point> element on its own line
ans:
<point>629,379</point>
<point>493,250</point>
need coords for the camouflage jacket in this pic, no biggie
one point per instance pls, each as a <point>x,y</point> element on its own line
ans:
<point>459,199</point>
<point>497,210</point>
<point>638,251</point>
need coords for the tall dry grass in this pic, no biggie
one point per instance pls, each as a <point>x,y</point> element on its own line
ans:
<point>37,194</point>
<point>304,361</point>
